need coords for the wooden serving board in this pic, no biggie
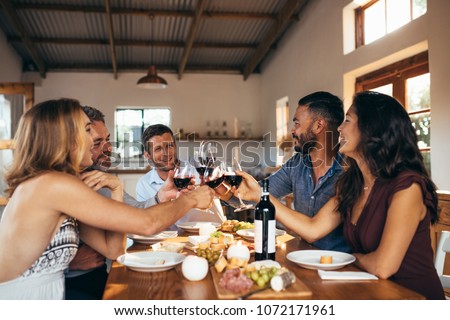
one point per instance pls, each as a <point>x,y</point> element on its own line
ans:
<point>298,290</point>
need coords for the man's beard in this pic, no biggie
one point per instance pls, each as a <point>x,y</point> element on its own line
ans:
<point>305,142</point>
<point>102,163</point>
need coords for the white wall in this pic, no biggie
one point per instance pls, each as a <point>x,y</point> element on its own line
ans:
<point>193,100</point>
<point>10,63</point>
<point>311,58</point>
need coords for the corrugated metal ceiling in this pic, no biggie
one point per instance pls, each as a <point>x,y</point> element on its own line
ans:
<point>176,35</point>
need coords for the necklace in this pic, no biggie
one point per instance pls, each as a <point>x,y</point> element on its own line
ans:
<point>367,187</point>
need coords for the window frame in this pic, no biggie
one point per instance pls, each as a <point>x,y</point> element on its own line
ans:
<point>359,20</point>
<point>397,74</point>
<point>25,89</point>
<point>143,127</point>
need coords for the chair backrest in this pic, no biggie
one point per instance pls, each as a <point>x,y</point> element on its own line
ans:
<point>442,249</point>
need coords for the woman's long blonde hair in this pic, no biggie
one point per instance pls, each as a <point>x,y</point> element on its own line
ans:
<point>50,137</point>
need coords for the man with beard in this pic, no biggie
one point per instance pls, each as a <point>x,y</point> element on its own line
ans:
<point>87,274</point>
<point>311,173</point>
<point>161,151</point>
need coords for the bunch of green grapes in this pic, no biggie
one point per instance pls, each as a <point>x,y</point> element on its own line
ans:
<point>243,225</point>
<point>212,255</point>
<point>262,276</point>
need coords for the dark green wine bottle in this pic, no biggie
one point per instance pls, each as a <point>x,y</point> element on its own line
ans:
<point>265,226</point>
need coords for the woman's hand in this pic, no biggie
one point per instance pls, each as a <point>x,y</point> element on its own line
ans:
<point>249,189</point>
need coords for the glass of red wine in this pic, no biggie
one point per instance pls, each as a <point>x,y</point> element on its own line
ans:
<point>233,181</point>
<point>184,172</point>
<point>199,165</point>
<point>214,174</point>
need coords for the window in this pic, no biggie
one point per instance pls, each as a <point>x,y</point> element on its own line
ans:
<point>130,125</point>
<point>284,140</point>
<point>15,99</point>
<point>380,17</point>
<point>409,82</point>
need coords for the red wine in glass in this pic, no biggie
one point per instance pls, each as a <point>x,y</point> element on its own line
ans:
<point>182,182</point>
<point>215,183</point>
<point>201,170</point>
<point>233,180</point>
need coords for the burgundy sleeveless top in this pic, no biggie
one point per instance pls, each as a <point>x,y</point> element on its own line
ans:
<point>417,270</point>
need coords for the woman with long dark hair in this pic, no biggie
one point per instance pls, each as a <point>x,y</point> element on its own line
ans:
<point>385,197</point>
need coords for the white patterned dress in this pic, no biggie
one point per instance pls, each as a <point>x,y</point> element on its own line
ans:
<point>44,280</point>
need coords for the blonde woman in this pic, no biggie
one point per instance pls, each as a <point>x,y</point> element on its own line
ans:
<point>47,198</point>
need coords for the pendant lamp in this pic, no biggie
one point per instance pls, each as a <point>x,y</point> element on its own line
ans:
<point>152,80</point>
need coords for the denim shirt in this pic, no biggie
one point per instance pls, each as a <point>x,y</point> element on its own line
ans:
<point>296,176</point>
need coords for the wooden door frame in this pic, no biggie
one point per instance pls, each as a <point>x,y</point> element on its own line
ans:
<point>23,88</point>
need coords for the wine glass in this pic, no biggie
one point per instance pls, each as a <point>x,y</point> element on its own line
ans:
<point>199,165</point>
<point>184,172</point>
<point>214,174</point>
<point>208,153</point>
<point>234,180</point>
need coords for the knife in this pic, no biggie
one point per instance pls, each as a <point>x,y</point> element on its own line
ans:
<point>245,296</point>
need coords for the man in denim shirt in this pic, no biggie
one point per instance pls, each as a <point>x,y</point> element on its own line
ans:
<point>312,172</point>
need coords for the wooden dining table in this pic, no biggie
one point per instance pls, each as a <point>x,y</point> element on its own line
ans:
<point>126,284</point>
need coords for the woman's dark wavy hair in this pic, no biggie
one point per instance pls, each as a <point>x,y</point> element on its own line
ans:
<point>388,144</point>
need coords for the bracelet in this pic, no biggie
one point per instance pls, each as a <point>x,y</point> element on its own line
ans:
<point>157,199</point>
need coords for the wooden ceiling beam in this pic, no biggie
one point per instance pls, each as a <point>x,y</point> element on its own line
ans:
<point>195,25</point>
<point>13,17</point>
<point>86,67</point>
<point>135,43</point>
<point>144,12</point>
<point>111,37</point>
<point>278,27</point>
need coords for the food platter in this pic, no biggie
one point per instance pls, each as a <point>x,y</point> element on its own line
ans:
<point>145,261</point>
<point>298,290</point>
<point>310,259</point>
<point>249,234</point>
<point>194,226</point>
<point>154,237</point>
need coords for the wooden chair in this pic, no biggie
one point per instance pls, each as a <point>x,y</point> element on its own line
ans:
<point>442,250</point>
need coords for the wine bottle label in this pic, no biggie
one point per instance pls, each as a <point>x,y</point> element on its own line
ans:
<point>271,240</point>
<point>259,235</point>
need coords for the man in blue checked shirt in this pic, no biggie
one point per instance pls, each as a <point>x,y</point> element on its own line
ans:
<point>311,173</point>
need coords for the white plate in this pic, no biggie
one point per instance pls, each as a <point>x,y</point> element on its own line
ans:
<point>310,259</point>
<point>193,226</point>
<point>249,234</point>
<point>145,261</point>
<point>154,237</point>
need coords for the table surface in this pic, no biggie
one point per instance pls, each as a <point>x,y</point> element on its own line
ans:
<point>125,284</point>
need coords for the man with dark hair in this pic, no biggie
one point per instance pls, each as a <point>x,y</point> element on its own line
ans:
<point>161,151</point>
<point>87,274</point>
<point>313,171</point>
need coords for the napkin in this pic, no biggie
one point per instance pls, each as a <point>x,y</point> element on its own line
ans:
<point>346,275</point>
<point>219,210</point>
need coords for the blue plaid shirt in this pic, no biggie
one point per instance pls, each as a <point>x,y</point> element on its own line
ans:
<point>296,176</point>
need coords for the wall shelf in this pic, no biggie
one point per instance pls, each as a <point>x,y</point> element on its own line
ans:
<point>199,139</point>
